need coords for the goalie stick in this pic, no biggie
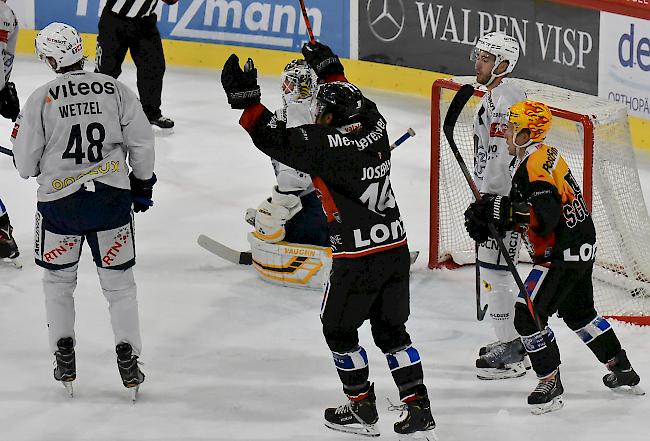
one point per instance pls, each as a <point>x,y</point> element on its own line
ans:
<point>6,151</point>
<point>246,257</point>
<point>227,253</point>
<point>455,108</point>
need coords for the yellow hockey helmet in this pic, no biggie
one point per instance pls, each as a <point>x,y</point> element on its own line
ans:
<point>531,115</point>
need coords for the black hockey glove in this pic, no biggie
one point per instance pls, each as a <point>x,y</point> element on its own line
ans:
<point>9,103</point>
<point>240,86</point>
<point>502,212</point>
<point>475,223</point>
<point>321,58</point>
<point>141,192</point>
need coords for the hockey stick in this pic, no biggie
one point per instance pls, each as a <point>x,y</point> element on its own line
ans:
<point>227,253</point>
<point>6,151</point>
<point>312,40</point>
<point>455,108</point>
<point>409,133</point>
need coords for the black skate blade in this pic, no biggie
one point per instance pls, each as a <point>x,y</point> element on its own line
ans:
<point>428,435</point>
<point>555,404</point>
<point>514,370</point>
<point>11,263</point>
<point>159,131</point>
<point>134,392</point>
<point>68,387</point>
<point>628,390</point>
<point>364,430</point>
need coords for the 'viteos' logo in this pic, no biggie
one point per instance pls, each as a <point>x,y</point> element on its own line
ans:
<point>386,21</point>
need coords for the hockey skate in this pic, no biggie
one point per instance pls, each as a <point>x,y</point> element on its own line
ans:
<point>622,377</point>
<point>65,369</point>
<point>357,416</point>
<point>162,125</point>
<point>489,347</point>
<point>547,396</point>
<point>127,364</point>
<point>418,423</point>
<point>504,360</point>
<point>8,248</point>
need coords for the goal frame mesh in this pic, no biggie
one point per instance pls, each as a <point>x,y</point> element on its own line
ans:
<point>439,258</point>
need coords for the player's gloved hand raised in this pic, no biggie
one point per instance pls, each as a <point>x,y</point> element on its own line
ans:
<point>9,103</point>
<point>321,58</point>
<point>141,192</point>
<point>240,85</point>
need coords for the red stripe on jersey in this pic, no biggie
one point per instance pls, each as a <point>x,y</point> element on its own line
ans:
<point>326,199</point>
<point>335,77</point>
<point>4,35</point>
<point>497,130</point>
<point>356,254</point>
<point>250,116</point>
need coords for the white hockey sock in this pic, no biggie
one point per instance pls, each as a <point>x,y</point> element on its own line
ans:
<point>58,287</point>
<point>497,289</point>
<point>120,291</point>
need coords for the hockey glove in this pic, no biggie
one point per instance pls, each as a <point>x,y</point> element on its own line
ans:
<point>475,223</point>
<point>141,192</point>
<point>240,86</point>
<point>9,103</point>
<point>321,58</point>
<point>505,214</point>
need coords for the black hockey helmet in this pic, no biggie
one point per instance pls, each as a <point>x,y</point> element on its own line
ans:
<point>343,100</point>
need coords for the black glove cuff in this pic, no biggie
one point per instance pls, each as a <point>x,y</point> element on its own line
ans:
<point>142,184</point>
<point>329,66</point>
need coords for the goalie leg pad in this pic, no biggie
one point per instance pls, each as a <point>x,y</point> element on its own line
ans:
<point>291,264</point>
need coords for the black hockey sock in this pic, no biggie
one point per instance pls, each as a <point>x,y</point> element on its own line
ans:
<point>406,368</point>
<point>599,336</point>
<point>543,351</point>
<point>352,368</point>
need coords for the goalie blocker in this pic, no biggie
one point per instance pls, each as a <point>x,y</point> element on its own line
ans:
<point>291,264</point>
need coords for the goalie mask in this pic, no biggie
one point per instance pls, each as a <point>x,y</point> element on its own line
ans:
<point>298,81</point>
<point>59,45</point>
<point>531,115</point>
<point>503,47</point>
<point>343,100</point>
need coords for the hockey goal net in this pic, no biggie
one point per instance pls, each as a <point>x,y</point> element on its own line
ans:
<point>593,136</point>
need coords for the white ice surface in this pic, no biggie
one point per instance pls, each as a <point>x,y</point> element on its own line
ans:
<point>228,357</point>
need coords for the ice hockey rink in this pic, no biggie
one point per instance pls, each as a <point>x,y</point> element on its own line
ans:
<point>229,357</point>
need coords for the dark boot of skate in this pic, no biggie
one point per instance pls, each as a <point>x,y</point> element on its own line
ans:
<point>8,246</point>
<point>503,360</point>
<point>418,418</point>
<point>359,415</point>
<point>547,396</point>
<point>622,374</point>
<point>127,363</point>
<point>66,369</point>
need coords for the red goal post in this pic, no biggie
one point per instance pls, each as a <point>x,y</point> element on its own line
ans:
<point>589,132</point>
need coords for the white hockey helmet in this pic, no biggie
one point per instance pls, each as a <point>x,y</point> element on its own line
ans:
<point>298,81</point>
<point>61,43</point>
<point>502,46</point>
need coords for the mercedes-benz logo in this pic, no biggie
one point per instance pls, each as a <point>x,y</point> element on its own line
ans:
<point>388,24</point>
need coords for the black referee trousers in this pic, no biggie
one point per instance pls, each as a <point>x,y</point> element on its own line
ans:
<point>140,36</point>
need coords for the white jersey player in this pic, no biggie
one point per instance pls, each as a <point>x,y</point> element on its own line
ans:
<point>9,108</point>
<point>495,56</point>
<point>293,213</point>
<point>291,223</point>
<point>74,135</point>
